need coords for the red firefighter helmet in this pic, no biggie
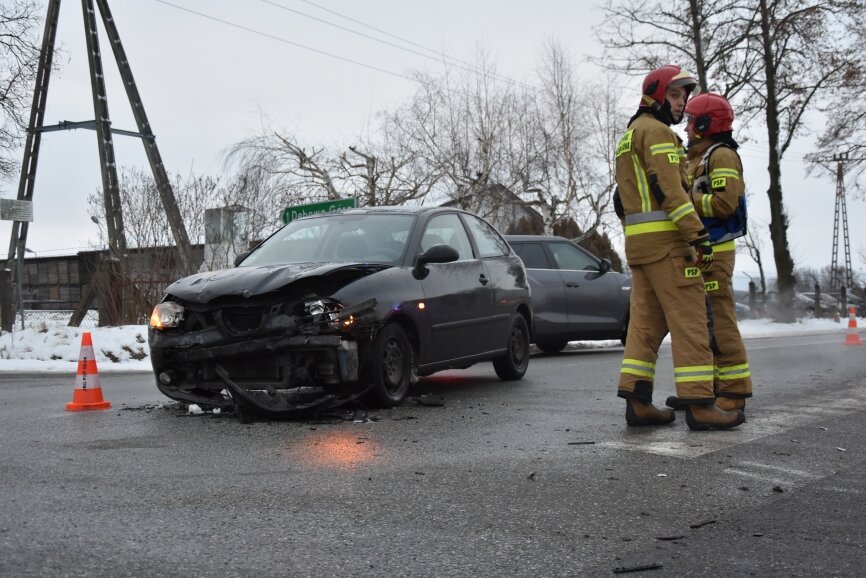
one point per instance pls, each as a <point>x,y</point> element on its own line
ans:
<point>657,82</point>
<point>712,114</point>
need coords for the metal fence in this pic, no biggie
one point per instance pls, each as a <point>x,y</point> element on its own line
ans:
<point>44,319</point>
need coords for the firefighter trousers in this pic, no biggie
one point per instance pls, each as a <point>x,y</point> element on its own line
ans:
<point>668,295</point>
<point>733,377</point>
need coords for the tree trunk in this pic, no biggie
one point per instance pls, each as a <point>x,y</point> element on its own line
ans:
<point>697,39</point>
<point>778,219</point>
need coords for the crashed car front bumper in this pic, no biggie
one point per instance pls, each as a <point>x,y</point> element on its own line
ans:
<point>279,374</point>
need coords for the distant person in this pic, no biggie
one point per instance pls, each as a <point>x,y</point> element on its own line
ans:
<point>666,245</point>
<point>716,176</point>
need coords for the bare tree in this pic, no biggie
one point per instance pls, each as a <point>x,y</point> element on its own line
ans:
<point>805,53</point>
<point>845,132</point>
<point>286,169</point>
<point>462,124</point>
<point>383,171</point>
<point>641,35</point>
<point>385,180</point>
<point>569,172</point>
<point>754,245</point>
<point>19,58</point>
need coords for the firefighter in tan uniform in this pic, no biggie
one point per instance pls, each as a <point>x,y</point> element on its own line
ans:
<point>666,246</point>
<point>715,174</point>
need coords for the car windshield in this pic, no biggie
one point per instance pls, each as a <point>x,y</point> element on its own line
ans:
<point>336,237</point>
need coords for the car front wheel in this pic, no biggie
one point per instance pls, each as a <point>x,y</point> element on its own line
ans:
<point>513,364</point>
<point>389,369</point>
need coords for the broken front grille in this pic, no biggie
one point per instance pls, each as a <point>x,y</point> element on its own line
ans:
<point>240,319</point>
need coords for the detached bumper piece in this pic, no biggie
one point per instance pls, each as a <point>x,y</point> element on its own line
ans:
<point>281,405</point>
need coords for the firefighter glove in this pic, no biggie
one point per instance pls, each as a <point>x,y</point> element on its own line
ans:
<point>705,254</point>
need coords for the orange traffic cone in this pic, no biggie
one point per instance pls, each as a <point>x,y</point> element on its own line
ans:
<point>87,394</point>
<point>853,335</point>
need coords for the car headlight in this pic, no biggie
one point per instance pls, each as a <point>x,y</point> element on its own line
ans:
<point>166,315</point>
<point>329,311</point>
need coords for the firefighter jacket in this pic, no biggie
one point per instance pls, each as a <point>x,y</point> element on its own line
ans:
<point>659,215</point>
<point>719,193</point>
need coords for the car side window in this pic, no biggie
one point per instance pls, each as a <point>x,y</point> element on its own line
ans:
<point>447,230</point>
<point>567,256</point>
<point>489,242</point>
<point>532,255</point>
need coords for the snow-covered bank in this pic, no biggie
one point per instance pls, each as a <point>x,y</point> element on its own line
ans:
<point>56,350</point>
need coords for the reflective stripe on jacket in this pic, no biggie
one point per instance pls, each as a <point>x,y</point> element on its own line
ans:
<point>650,151</point>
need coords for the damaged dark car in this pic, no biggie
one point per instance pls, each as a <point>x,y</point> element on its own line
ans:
<point>336,306</point>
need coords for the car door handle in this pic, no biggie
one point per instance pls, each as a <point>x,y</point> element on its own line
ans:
<point>572,284</point>
<point>483,280</point>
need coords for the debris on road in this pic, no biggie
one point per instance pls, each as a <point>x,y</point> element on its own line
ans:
<point>430,401</point>
<point>701,524</point>
<point>624,569</point>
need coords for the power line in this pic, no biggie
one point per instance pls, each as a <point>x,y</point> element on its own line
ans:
<point>464,65</point>
<point>284,40</point>
<point>470,68</point>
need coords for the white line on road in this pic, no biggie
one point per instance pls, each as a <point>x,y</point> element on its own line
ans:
<point>762,421</point>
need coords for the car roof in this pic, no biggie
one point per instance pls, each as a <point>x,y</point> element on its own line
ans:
<point>389,209</point>
<point>518,238</point>
<point>415,210</point>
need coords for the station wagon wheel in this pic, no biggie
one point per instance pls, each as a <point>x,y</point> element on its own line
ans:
<point>389,367</point>
<point>551,347</point>
<point>624,337</point>
<point>514,363</point>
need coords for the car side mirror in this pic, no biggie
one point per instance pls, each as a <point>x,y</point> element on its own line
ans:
<point>435,254</point>
<point>604,266</point>
<point>241,257</point>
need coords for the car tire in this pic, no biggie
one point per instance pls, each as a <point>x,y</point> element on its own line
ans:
<point>551,347</point>
<point>389,368</point>
<point>513,364</point>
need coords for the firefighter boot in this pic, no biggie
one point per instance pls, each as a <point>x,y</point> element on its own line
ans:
<point>726,403</point>
<point>674,402</point>
<point>704,417</point>
<point>638,413</point>
<point>730,403</point>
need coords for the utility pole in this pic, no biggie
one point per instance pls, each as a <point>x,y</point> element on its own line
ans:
<point>840,215</point>
<point>31,152</point>
<point>102,126</point>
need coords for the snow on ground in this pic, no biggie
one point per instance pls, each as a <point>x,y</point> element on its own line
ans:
<point>42,348</point>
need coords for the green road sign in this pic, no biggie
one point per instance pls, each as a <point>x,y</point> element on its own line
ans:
<point>292,213</point>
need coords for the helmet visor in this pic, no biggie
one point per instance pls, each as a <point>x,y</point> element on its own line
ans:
<point>689,83</point>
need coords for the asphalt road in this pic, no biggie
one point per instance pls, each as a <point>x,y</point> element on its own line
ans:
<point>472,476</point>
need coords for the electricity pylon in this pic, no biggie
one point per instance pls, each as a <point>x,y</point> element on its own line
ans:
<point>840,215</point>
<point>104,131</point>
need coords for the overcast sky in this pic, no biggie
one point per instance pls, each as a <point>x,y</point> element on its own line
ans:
<point>211,72</point>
